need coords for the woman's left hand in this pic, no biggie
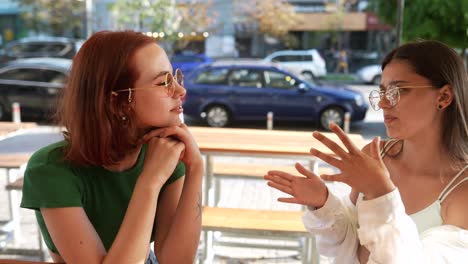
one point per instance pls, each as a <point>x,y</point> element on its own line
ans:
<point>191,155</point>
<point>364,172</point>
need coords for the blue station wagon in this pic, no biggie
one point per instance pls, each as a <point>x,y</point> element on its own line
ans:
<point>222,93</point>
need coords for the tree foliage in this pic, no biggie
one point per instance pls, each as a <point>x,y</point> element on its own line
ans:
<point>146,15</point>
<point>272,17</point>
<point>442,20</point>
<point>164,16</point>
<point>54,17</point>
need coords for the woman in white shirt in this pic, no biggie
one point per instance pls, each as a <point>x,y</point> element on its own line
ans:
<point>409,193</point>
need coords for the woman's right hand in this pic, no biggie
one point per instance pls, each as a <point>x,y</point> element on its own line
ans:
<point>162,156</point>
<point>309,190</point>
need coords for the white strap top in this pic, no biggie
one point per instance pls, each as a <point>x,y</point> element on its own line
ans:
<point>430,216</point>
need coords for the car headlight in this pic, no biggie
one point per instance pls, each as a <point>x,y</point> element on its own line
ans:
<point>358,100</point>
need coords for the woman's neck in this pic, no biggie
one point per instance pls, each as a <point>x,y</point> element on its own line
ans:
<point>426,154</point>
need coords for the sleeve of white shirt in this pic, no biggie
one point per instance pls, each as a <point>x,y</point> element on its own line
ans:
<point>391,236</point>
<point>335,228</point>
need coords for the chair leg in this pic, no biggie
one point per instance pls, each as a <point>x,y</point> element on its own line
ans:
<point>217,191</point>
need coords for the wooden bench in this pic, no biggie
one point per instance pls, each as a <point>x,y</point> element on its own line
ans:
<point>264,224</point>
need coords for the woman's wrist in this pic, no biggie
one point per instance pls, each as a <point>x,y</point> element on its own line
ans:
<point>195,168</point>
<point>385,188</point>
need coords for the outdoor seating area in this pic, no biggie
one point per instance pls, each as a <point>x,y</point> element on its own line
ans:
<point>246,217</point>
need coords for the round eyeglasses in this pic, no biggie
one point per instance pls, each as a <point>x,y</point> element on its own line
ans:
<point>167,84</point>
<point>392,94</point>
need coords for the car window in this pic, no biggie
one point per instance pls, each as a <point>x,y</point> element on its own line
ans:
<point>22,75</point>
<point>28,48</point>
<point>54,76</point>
<point>245,77</point>
<point>307,58</point>
<point>212,76</point>
<point>275,79</point>
<point>54,47</point>
<point>186,59</point>
<point>288,58</point>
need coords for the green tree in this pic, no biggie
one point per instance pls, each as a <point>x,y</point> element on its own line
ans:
<point>442,20</point>
<point>55,17</point>
<point>176,21</point>
<point>146,15</point>
<point>273,18</point>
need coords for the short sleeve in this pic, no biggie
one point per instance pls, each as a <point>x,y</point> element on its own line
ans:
<point>51,185</point>
<point>178,173</point>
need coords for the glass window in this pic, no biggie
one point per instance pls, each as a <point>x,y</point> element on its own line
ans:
<point>279,80</point>
<point>245,77</point>
<point>28,48</point>
<point>54,48</point>
<point>53,76</point>
<point>22,75</point>
<point>288,58</point>
<point>212,76</point>
<point>186,58</point>
<point>308,58</point>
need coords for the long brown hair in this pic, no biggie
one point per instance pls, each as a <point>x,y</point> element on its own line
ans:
<point>441,65</point>
<point>99,128</point>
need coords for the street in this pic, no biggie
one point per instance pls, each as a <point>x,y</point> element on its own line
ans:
<point>371,126</point>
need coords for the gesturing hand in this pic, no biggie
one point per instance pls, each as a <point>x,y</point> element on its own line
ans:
<point>309,190</point>
<point>364,172</point>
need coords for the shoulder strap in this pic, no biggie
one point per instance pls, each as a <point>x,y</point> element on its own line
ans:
<point>447,190</point>
<point>387,146</point>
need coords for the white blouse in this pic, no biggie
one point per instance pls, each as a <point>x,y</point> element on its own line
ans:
<point>383,227</point>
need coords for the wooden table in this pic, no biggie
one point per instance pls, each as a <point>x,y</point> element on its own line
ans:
<point>254,142</point>
<point>258,143</point>
<point>10,127</point>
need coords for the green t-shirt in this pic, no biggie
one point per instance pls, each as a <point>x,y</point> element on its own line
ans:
<point>51,182</point>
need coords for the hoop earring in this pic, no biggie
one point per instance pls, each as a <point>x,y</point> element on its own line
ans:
<point>129,95</point>
<point>439,107</point>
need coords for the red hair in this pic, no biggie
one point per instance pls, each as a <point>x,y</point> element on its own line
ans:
<point>96,133</point>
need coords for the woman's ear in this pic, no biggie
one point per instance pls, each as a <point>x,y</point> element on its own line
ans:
<point>445,96</point>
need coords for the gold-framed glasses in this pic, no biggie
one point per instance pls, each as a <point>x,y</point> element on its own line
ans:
<point>392,94</point>
<point>167,84</point>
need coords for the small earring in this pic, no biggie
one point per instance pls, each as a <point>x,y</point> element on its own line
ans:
<point>124,118</point>
<point>129,95</point>
<point>439,107</point>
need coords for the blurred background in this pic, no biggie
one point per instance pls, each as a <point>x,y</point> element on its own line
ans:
<point>301,63</point>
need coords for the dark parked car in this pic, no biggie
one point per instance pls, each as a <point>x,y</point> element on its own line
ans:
<point>188,62</point>
<point>222,93</point>
<point>34,83</point>
<point>33,47</point>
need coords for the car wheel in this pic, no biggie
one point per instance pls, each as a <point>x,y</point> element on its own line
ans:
<point>332,114</point>
<point>308,75</point>
<point>377,79</point>
<point>217,116</point>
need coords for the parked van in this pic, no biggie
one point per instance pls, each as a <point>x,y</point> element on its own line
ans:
<point>308,63</point>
